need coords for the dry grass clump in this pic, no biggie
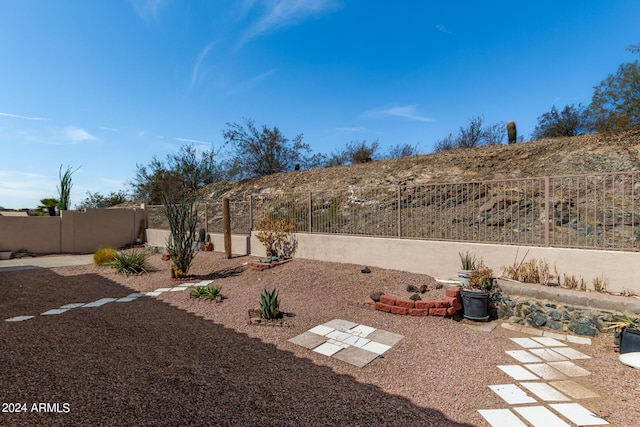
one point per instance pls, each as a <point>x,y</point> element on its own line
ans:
<point>532,271</point>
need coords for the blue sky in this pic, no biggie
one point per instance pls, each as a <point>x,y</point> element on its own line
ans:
<point>105,85</point>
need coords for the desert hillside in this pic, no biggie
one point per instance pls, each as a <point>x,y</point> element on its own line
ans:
<point>559,156</point>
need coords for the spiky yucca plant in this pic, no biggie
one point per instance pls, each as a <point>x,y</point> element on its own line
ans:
<point>269,305</point>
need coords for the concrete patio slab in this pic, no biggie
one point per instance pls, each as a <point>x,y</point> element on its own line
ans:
<point>578,414</point>
<point>501,418</point>
<point>340,325</point>
<point>512,394</point>
<point>523,356</point>
<point>549,342</point>
<point>570,369</point>
<point>54,311</point>
<point>19,318</point>
<point>527,343</point>
<point>547,354</point>
<point>573,389</point>
<point>308,340</point>
<point>356,356</point>
<point>385,337</point>
<point>545,371</point>
<point>518,373</point>
<point>545,392</point>
<point>570,353</point>
<point>539,416</point>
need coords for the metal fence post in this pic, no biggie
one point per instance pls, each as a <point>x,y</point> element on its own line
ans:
<point>250,213</point>
<point>399,212</point>
<point>310,214</point>
<point>546,210</point>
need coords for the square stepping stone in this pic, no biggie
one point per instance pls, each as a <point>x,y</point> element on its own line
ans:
<point>152,294</point>
<point>512,327</point>
<point>573,389</point>
<point>501,418</point>
<point>385,337</point>
<point>308,340</point>
<point>532,331</point>
<point>19,318</point>
<point>126,299</point>
<point>162,290</point>
<point>578,414</point>
<point>548,354</point>
<point>321,330</point>
<point>518,373</point>
<point>185,285</point>
<point>527,343</point>
<point>341,325</point>
<point>327,349</point>
<point>135,295</point>
<point>545,392</point>
<point>55,311</point>
<point>376,347</point>
<point>545,371</point>
<point>559,337</point>
<point>356,356</point>
<point>579,340</point>
<point>177,288</point>
<point>362,330</point>
<point>203,283</point>
<point>570,353</point>
<point>361,342</point>
<point>549,342</point>
<point>523,356</point>
<point>570,369</point>
<point>539,416</point>
<point>338,335</point>
<point>99,302</point>
<point>512,394</point>
<point>74,305</point>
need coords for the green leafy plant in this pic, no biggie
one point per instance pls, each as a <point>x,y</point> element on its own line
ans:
<point>467,260</point>
<point>269,305</point>
<point>481,278</point>
<point>206,292</point>
<point>622,321</point>
<point>130,262</point>
<point>103,256</point>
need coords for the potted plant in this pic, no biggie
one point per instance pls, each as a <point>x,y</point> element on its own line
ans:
<point>208,244</point>
<point>627,334</point>
<point>475,295</point>
<point>467,265</point>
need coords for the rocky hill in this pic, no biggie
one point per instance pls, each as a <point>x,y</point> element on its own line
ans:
<point>582,154</point>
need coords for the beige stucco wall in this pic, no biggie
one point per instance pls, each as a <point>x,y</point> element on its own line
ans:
<point>71,232</point>
<point>239,242</point>
<point>441,259</point>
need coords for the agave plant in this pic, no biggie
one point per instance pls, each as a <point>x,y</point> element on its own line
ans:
<point>622,321</point>
<point>269,305</point>
<point>206,292</point>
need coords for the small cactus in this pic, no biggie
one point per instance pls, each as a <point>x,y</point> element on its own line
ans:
<point>511,132</point>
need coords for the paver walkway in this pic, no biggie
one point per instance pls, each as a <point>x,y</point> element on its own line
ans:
<point>546,385</point>
<point>102,301</point>
<point>347,341</point>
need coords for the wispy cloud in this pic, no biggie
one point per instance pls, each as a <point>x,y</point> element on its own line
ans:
<point>283,13</point>
<point>251,82</point>
<point>196,74</point>
<point>408,112</point>
<point>75,134</point>
<point>16,116</point>
<point>352,129</point>
<point>108,128</point>
<point>195,141</point>
<point>148,10</point>
<point>444,29</point>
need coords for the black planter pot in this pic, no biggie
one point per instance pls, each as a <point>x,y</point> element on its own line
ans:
<point>475,304</point>
<point>629,341</point>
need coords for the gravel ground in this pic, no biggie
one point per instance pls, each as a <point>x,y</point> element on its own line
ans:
<point>172,360</point>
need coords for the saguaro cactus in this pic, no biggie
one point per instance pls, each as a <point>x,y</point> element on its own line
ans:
<point>511,132</point>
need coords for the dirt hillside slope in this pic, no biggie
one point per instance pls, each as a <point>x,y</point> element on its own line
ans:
<point>560,156</point>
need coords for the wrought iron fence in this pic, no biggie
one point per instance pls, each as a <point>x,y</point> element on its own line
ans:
<point>582,211</point>
<point>209,217</point>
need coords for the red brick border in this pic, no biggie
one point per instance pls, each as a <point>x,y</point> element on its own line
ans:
<point>445,306</point>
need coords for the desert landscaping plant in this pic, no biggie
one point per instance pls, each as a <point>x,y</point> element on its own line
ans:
<point>129,262</point>
<point>481,278</point>
<point>209,293</point>
<point>269,305</point>
<point>103,256</point>
<point>64,191</point>
<point>274,234</point>
<point>183,218</point>
<point>532,271</point>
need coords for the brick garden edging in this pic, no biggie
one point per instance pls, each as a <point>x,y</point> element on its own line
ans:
<point>445,306</point>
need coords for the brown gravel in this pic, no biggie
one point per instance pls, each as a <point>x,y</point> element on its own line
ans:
<point>172,360</point>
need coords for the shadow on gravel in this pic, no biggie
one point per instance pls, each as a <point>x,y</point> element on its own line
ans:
<point>148,363</point>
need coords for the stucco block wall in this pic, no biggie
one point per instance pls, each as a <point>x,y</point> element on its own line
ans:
<point>441,259</point>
